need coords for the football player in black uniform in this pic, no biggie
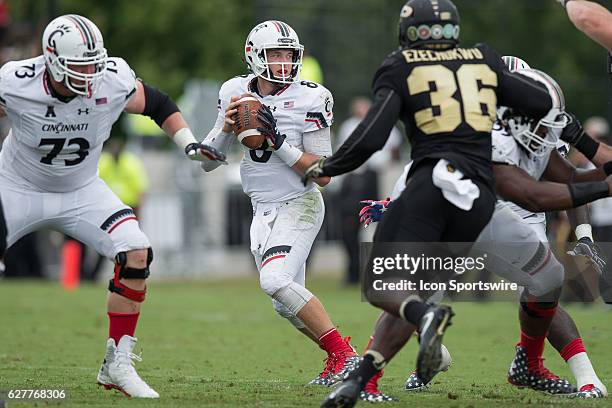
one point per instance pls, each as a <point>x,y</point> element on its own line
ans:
<point>446,97</point>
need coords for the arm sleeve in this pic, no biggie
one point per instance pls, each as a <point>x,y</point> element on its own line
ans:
<point>526,95</point>
<point>217,138</point>
<point>318,142</point>
<point>369,137</point>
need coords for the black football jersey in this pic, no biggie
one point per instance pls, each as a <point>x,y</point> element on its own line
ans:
<point>449,101</point>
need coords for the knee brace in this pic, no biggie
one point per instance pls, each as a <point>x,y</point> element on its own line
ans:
<point>286,313</point>
<point>125,272</point>
<point>293,296</point>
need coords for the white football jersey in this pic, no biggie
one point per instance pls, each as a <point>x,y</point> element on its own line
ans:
<point>507,150</point>
<point>299,108</point>
<point>53,145</point>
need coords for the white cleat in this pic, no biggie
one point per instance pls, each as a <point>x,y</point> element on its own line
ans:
<point>103,376</point>
<point>118,372</point>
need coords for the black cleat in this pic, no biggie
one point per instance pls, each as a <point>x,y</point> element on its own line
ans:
<point>343,396</point>
<point>431,328</point>
<point>540,379</point>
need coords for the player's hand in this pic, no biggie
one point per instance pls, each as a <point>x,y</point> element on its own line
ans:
<point>315,170</point>
<point>373,211</point>
<point>200,152</point>
<point>586,247</point>
<point>573,131</point>
<point>268,127</point>
<point>230,114</point>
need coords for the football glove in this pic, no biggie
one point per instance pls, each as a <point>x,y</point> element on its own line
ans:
<point>200,151</point>
<point>586,247</point>
<point>268,129</point>
<point>373,211</point>
<point>314,171</point>
<point>573,131</point>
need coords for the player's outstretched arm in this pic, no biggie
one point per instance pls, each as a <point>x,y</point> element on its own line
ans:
<point>591,18</point>
<point>152,102</point>
<point>560,170</point>
<point>574,134</point>
<point>514,184</point>
<point>369,137</point>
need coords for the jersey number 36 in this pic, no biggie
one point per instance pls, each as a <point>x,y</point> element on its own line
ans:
<point>445,113</point>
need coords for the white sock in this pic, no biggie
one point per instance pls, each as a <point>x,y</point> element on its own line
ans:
<point>584,373</point>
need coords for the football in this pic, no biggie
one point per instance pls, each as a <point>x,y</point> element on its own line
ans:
<point>246,123</point>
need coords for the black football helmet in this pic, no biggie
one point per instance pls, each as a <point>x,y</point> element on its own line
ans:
<point>429,24</point>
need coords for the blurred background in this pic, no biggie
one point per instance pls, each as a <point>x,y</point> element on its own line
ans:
<point>198,223</point>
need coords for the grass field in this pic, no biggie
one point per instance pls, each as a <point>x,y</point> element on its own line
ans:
<point>221,344</point>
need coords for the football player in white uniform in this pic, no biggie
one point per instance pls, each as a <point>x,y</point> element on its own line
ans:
<point>521,157</point>
<point>287,215</point>
<point>61,107</point>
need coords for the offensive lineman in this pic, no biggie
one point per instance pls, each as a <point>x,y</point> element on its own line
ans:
<point>287,216</point>
<point>61,106</point>
<point>447,98</point>
<point>521,158</point>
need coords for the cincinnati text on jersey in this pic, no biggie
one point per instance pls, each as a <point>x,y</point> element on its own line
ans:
<point>64,127</point>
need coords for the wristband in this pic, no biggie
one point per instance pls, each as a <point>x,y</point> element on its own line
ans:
<point>289,154</point>
<point>183,138</point>
<point>583,193</point>
<point>587,146</point>
<point>584,231</point>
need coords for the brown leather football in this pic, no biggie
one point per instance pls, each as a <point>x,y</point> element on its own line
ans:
<point>246,123</point>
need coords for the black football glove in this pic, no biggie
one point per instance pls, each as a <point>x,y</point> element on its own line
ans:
<point>314,171</point>
<point>199,151</point>
<point>268,128</point>
<point>573,131</point>
<point>586,247</point>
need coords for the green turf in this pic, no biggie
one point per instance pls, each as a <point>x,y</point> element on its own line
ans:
<point>221,344</point>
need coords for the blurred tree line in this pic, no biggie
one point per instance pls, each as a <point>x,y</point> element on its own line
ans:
<point>168,41</point>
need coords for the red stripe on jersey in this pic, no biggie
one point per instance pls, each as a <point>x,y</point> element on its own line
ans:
<point>272,258</point>
<point>121,222</point>
<point>315,121</point>
<point>282,90</point>
<point>45,82</point>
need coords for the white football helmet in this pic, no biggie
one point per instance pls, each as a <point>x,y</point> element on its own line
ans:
<point>541,137</point>
<point>515,63</point>
<point>270,35</point>
<point>70,41</point>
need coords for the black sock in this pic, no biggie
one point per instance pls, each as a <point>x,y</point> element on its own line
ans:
<point>365,371</point>
<point>413,311</point>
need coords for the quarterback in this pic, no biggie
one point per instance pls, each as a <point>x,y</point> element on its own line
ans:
<point>61,107</point>
<point>287,215</point>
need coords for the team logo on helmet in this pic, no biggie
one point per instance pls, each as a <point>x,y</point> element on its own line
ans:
<point>412,33</point>
<point>436,32</point>
<point>424,32</point>
<point>448,31</point>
